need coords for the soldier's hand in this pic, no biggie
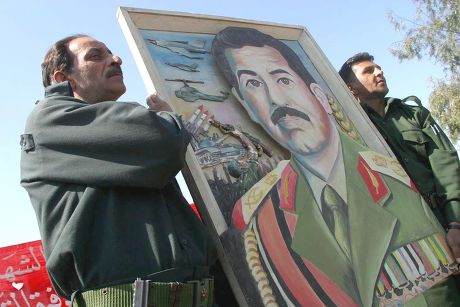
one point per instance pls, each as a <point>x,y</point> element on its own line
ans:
<point>157,104</point>
<point>453,240</point>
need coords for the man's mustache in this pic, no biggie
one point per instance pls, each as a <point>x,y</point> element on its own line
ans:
<point>281,112</point>
<point>114,70</point>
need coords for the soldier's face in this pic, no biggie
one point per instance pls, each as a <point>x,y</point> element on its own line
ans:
<point>279,100</point>
<point>369,82</point>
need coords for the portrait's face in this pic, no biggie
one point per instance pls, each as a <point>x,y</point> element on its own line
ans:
<point>96,74</point>
<point>279,100</point>
<point>369,82</point>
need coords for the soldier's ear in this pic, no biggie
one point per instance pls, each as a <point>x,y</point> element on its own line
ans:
<point>59,76</point>
<point>243,102</point>
<point>353,90</point>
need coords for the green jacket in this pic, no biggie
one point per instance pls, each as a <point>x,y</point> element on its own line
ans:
<point>101,180</point>
<point>425,152</point>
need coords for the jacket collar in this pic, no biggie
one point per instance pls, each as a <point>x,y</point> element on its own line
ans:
<point>389,102</point>
<point>392,100</point>
<point>59,89</point>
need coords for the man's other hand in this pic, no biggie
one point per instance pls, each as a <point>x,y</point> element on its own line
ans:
<point>156,104</point>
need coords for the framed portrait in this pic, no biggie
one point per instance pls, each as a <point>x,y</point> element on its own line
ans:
<point>300,191</point>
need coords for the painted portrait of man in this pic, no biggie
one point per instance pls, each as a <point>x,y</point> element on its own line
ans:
<point>337,223</point>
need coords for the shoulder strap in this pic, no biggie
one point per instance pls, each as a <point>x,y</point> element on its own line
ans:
<point>412,98</point>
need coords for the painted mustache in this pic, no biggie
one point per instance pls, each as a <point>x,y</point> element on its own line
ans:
<point>281,112</point>
<point>114,70</point>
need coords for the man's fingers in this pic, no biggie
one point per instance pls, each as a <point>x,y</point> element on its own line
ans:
<point>151,99</point>
<point>157,104</point>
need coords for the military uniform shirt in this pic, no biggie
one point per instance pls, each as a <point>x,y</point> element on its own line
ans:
<point>424,151</point>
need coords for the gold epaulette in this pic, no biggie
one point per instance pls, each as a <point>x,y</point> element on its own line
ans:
<point>386,165</point>
<point>251,200</point>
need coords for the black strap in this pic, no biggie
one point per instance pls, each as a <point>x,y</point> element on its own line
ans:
<point>412,98</point>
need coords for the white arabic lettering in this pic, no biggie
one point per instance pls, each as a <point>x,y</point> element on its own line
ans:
<point>10,273</point>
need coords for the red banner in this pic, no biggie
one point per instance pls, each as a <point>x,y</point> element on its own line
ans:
<point>23,277</point>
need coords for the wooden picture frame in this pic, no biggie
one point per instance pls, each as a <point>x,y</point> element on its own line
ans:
<point>231,156</point>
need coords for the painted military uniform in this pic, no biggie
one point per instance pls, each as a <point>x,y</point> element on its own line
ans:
<point>397,248</point>
<point>425,152</point>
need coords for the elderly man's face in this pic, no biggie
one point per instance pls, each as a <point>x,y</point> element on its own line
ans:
<point>279,100</point>
<point>96,75</point>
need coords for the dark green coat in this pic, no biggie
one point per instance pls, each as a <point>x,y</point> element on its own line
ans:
<point>425,152</point>
<point>101,181</point>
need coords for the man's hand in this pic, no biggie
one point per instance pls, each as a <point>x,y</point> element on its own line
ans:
<point>453,240</point>
<point>156,104</point>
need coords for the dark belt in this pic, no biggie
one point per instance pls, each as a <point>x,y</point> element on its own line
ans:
<point>194,293</point>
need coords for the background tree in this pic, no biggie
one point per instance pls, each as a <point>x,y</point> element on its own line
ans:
<point>435,32</point>
<point>445,106</point>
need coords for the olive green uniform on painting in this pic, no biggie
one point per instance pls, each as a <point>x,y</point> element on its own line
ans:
<point>101,181</point>
<point>376,231</point>
<point>425,152</point>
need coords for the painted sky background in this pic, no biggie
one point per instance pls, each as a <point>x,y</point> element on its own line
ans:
<point>28,28</point>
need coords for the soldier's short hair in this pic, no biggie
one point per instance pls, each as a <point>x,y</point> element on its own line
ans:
<point>58,58</point>
<point>346,69</point>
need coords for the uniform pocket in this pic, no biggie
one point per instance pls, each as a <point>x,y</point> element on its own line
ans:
<point>417,141</point>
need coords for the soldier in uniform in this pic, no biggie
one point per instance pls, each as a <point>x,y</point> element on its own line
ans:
<point>420,145</point>
<point>337,224</point>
